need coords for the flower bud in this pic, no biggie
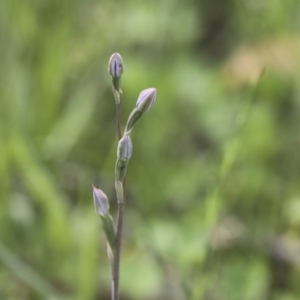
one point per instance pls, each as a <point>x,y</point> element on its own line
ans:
<point>100,202</point>
<point>124,150</point>
<point>109,230</point>
<point>115,65</point>
<point>119,190</point>
<point>146,99</point>
<point>120,169</point>
<point>133,117</point>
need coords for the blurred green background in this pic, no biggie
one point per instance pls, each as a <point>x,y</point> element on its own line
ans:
<point>213,208</point>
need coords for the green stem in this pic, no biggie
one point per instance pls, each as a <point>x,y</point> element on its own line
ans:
<point>117,254</point>
<point>118,107</point>
<point>121,208</point>
<point>118,100</point>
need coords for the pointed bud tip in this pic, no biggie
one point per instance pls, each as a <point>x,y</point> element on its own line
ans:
<point>116,65</point>
<point>100,201</point>
<point>146,99</point>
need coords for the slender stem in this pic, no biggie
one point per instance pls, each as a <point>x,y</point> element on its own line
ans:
<point>110,255</point>
<point>121,208</point>
<point>118,107</point>
<point>117,254</point>
<point>118,99</point>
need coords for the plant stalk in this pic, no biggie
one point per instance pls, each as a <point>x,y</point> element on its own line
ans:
<point>118,99</point>
<point>117,254</point>
<point>121,208</point>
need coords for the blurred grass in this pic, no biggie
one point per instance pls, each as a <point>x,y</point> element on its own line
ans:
<point>213,185</point>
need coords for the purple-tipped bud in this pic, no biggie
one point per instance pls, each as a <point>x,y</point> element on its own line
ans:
<point>124,150</point>
<point>146,99</point>
<point>116,65</point>
<point>100,202</point>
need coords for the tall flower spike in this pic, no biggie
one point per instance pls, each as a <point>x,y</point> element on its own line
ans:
<point>116,65</point>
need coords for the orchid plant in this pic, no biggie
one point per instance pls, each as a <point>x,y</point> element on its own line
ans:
<point>113,232</point>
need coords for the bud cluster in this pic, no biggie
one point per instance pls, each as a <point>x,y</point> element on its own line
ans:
<point>145,101</point>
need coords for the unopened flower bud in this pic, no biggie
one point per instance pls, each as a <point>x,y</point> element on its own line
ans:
<point>133,117</point>
<point>124,150</point>
<point>146,100</point>
<point>100,202</point>
<point>102,209</point>
<point>115,65</point>
<point>109,229</point>
<point>119,190</point>
<point>120,169</point>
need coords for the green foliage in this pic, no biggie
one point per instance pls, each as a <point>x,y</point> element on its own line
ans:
<point>213,186</point>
